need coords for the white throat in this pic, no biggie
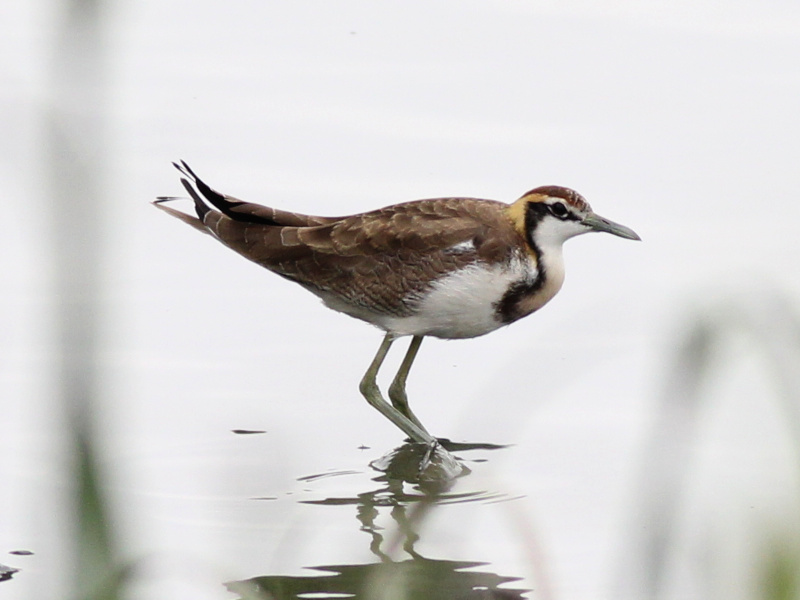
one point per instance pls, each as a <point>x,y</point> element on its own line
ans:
<point>549,236</point>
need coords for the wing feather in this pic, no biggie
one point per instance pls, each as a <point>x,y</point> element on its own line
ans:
<point>381,260</point>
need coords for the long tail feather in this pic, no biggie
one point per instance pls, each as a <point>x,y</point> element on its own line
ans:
<point>200,206</point>
<point>190,219</point>
<point>221,202</point>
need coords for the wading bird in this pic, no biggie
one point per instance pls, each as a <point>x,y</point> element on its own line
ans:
<point>448,267</point>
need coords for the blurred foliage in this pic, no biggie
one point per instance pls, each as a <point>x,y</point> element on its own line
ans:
<point>780,573</point>
<point>764,326</point>
<point>100,576</point>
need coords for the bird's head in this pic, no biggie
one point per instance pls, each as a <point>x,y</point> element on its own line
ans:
<point>549,215</point>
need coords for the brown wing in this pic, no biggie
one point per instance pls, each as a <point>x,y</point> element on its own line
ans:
<point>381,260</point>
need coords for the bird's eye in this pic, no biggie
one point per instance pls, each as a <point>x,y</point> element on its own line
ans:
<point>559,210</point>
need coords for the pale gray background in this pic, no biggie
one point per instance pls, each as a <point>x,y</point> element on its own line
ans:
<point>679,119</point>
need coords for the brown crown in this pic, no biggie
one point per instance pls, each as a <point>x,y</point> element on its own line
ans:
<point>571,197</point>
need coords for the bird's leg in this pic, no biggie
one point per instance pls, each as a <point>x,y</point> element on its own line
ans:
<point>397,390</point>
<point>370,391</point>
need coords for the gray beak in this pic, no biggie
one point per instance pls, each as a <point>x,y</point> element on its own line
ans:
<point>598,223</point>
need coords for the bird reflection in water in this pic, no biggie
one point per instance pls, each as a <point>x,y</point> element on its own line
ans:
<point>431,476</point>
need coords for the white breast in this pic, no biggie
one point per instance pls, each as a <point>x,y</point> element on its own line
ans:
<point>462,304</point>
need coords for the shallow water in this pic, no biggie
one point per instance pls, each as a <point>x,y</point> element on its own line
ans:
<point>674,119</point>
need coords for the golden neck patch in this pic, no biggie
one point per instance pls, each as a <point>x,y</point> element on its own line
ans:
<point>517,212</point>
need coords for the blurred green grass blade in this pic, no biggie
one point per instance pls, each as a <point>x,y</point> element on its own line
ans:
<point>781,574</point>
<point>99,576</point>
